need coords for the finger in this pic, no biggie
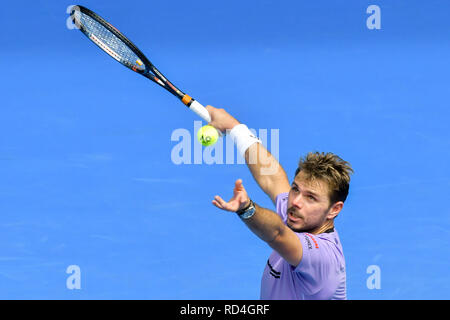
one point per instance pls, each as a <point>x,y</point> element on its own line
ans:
<point>220,201</point>
<point>223,204</point>
<point>238,184</point>
<point>211,111</point>
<point>214,202</point>
<point>220,206</point>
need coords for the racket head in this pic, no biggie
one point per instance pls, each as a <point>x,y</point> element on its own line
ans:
<point>110,40</point>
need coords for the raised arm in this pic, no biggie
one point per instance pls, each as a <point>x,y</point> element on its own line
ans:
<point>266,170</point>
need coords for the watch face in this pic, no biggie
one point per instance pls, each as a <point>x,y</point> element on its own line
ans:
<point>249,212</point>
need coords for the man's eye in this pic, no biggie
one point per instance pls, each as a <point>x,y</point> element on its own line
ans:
<point>311,197</point>
<point>295,189</point>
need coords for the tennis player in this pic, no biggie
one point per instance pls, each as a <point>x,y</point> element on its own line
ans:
<point>308,261</point>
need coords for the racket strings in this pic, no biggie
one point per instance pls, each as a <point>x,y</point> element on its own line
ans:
<point>108,41</point>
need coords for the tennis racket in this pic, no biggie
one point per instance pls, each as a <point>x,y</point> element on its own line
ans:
<point>114,43</point>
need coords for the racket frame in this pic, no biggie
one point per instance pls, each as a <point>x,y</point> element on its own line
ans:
<point>150,71</point>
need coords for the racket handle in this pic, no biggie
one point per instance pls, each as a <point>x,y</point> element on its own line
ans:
<point>200,111</point>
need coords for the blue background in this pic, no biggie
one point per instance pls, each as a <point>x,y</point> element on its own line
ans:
<point>86,175</point>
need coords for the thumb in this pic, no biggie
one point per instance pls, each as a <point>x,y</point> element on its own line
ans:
<point>238,186</point>
<point>210,108</point>
<point>241,194</point>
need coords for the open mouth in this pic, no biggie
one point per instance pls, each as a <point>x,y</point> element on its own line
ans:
<point>292,217</point>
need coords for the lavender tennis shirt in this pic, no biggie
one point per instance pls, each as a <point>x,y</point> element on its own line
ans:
<point>320,274</point>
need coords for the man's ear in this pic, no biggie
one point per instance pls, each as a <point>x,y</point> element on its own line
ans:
<point>334,210</point>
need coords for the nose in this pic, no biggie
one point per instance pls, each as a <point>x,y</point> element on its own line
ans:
<point>297,201</point>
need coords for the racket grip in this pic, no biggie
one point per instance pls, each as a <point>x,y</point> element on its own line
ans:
<point>200,111</point>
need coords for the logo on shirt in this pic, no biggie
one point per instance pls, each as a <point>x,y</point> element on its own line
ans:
<point>273,272</point>
<point>308,243</point>
<point>316,245</point>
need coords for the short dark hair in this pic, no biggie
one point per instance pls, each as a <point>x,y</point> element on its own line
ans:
<point>330,168</point>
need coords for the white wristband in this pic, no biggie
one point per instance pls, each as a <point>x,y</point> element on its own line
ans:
<point>243,138</point>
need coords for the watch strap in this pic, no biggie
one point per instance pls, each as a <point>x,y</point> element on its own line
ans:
<point>247,212</point>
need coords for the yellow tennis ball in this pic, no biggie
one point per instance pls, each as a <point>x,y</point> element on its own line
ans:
<point>207,135</point>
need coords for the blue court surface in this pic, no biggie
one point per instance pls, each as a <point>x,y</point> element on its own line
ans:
<point>91,184</point>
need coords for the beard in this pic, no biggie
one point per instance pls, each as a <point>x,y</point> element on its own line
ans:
<point>300,230</point>
<point>295,229</point>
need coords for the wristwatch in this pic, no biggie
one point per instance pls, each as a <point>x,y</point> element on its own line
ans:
<point>247,212</point>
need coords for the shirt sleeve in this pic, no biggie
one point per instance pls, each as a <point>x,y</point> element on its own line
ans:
<point>317,267</point>
<point>281,205</point>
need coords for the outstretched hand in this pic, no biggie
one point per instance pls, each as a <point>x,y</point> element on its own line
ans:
<point>239,200</point>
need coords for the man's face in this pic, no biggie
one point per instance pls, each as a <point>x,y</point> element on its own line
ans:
<point>308,204</point>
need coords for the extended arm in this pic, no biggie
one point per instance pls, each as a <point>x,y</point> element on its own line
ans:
<point>266,224</point>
